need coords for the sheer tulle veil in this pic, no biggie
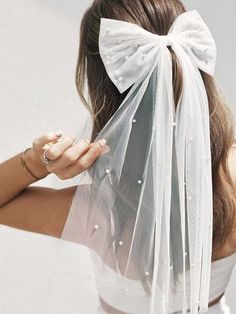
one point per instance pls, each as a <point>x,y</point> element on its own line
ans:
<point>147,213</point>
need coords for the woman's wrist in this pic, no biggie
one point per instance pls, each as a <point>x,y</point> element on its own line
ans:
<point>34,166</point>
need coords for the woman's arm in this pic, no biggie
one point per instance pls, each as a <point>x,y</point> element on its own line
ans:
<point>38,209</point>
<point>14,178</point>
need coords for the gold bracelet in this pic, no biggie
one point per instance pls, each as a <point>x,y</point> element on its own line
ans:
<point>26,167</point>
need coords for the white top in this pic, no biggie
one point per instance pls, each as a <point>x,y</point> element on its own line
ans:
<point>129,296</point>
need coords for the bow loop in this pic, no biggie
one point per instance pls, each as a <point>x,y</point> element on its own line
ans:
<point>128,51</point>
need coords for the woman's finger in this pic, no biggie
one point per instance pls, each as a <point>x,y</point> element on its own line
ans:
<point>85,162</point>
<point>57,149</point>
<point>41,141</point>
<point>70,156</point>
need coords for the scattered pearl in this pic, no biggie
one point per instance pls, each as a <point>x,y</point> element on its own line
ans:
<point>174,123</point>
<point>185,253</point>
<point>190,197</point>
<point>139,181</point>
<point>171,267</point>
<point>184,183</point>
<point>108,170</point>
<point>147,273</point>
<point>117,72</point>
<point>120,79</point>
<point>121,243</point>
<point>96,227</point>
<point>126,57</point>
<point>134,120</point>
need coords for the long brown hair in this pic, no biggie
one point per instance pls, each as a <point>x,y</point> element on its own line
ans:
<point>103,98</point>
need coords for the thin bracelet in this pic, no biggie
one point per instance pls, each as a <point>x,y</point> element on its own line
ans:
<point>26,167</point>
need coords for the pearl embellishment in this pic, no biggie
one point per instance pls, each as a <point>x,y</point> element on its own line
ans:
<point>96,227</point>
<point>121,243</point>
<point>139,181</point>
<point>134,120</point>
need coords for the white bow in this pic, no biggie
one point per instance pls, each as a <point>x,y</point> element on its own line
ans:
<point>130,55</point>
<point>127,47</point>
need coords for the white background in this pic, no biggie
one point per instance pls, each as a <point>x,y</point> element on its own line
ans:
<point>38,53</point>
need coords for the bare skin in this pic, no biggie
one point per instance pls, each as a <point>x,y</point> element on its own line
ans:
<point>44,210</point>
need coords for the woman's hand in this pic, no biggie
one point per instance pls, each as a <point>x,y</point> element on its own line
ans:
<point>70,157</point>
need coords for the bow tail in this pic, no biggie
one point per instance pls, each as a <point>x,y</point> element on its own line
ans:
<point>162,167</point>
<point>207,198</point>
<point>193,117</point>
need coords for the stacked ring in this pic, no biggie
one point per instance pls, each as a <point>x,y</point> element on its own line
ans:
<point>45,159</point>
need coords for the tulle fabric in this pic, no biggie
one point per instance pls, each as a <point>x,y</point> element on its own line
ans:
<point>147,212</point>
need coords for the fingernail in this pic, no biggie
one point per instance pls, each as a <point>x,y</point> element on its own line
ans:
<point>106,150</point>
<point>87,141</point>
<point>102,143</point>
<point>58,133</point>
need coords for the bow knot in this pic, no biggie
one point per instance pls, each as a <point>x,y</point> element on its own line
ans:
<point>167,40</point>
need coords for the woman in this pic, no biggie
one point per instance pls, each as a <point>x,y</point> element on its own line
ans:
<point>26,207</point>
